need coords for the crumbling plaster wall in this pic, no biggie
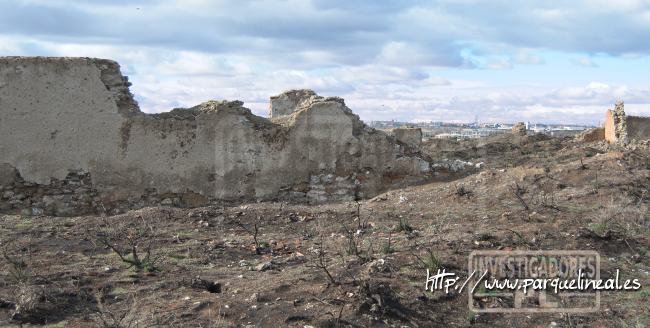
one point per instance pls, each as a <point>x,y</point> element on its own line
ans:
<point>73,140</point>
<point>610,127</point>
<point>621,128</point>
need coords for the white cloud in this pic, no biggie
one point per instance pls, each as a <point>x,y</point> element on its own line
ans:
<point>584,61</point>
<point>580,104</point>
<point>498,64</point>
<point>404,60</point>
<point>527,57</point>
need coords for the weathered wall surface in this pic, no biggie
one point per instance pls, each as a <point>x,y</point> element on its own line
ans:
<point>290,101</point>
<point>620,128</point>
<point>638,128</point>
<point>592,135</point>
<point>519,129</point>
<point>410,136</point>
<point>73,140</point>
<point>610,128</point>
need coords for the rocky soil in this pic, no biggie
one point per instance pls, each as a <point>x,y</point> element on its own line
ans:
<point>341,265</point>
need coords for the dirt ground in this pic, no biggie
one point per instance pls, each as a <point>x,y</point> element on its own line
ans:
<point>341,265</point>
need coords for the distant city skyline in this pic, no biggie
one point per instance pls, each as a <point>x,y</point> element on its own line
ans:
<point>423,123</point>
<point>408,60</point>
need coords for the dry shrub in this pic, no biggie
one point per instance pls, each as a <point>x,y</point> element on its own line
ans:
<point>133,240</point>
<point>27,288</point>
<point>115,313</point>
<point>621,221</point>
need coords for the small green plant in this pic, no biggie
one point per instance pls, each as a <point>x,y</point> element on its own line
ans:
<point>620,222</point>
<point>471,317</point>
<point>600,229</point>
<point>353,242</point>
<point>388,246</point>
<point>403,226</point>
<point>520,238</point>
<point>430,260</point>
<point>178,256</point>
<point>370,251</point>
<point>596,184</point>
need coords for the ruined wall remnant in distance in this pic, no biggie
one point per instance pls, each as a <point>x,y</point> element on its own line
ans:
<point>621,128</point>
<point>592,135</point>
<point>519,128</point>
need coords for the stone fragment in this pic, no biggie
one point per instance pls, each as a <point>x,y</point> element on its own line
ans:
<point>519,128</point>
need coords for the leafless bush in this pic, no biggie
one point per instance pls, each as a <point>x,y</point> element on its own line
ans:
<point>547,200</point>
<point>133,241</point>
<point>519,191</point>
<point>254,232</point>
<point>583,166</point>
<point>320,262</point>
<point>362,223</point>
<point>36,297</point>
<point>28,292</point>
<point>28,297</point>
<point>118,314</point>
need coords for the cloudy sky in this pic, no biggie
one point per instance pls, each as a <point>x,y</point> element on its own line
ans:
<point>408,60</point>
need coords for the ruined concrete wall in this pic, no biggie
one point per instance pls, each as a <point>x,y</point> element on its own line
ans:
<point>289,101</point>
<point>610,128</point>
<point>638,128</point>
<point>410,136</point>
<point>74,118</point>
<point>74,141</point>
<point>592,135</point>
<point>620,128</point>
<point>519,129</point>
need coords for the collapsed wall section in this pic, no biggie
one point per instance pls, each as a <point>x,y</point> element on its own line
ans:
<point>74,141</point>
